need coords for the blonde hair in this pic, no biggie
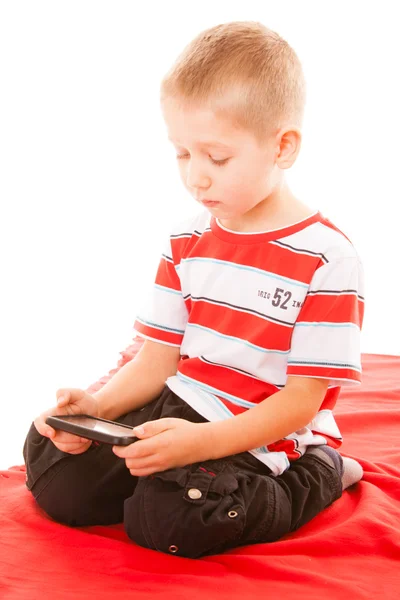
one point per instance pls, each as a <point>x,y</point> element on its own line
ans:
<point>243,71</point>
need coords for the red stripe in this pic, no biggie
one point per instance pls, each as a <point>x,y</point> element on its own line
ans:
<point>328,372</point>
<point>288,446</point>
<point>167,276</point>
<point>269,258</point>
<point>244,326</point>
<point>331,308</point>
<point>182,246</point>
<point>331,441</point>
<point>330,399</point>
<point>328,223</point>
<point>227,380</point>
<point>263,236</point>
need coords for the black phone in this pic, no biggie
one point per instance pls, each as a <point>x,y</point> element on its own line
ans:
<point>94,428</point>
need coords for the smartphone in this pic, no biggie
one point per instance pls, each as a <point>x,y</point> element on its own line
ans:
<point>93,428</point>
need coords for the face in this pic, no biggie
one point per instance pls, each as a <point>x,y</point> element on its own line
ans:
<point>221,163</point>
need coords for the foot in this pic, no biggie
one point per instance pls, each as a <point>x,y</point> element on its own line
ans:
<point>350,470</point>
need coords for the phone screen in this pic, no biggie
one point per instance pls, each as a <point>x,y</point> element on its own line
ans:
<point>100,426</point>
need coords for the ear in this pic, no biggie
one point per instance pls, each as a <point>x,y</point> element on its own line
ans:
<point>288,147</point>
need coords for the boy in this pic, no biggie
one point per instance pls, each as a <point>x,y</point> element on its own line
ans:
<point>257,304</point>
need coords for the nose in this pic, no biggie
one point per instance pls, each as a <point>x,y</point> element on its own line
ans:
<point>196,177</point>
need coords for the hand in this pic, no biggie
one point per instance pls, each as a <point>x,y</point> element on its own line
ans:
<point>164,444</point>
<point>70,401</point>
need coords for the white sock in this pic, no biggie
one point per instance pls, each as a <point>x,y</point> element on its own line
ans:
<point>349,469</point>
<point>352,472</point>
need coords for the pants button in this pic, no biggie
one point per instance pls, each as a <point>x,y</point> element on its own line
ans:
<point>194,493</point>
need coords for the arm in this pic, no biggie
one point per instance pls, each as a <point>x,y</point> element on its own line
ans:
<point>168,443</point>
<point>281,414</point>
<point>139,381</point>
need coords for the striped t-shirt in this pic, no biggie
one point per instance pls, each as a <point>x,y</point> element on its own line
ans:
<point>249,309</point>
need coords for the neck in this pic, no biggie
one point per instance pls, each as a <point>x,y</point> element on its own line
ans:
<point>280,209</point>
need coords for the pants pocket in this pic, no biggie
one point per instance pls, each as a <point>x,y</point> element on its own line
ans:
<point>191,511</point>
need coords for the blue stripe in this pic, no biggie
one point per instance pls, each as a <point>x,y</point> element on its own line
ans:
<point>165,289</point>
<point>207,388</point>
<point>244,268</point>
<point>160,327</point>
<point>222,410</point>
<point>330,363</point>
<point>233,339</point>
<point>323,324</point>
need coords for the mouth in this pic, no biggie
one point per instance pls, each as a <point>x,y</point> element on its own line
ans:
<point>210,202</point>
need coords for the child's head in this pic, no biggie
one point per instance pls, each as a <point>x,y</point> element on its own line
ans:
<point>242,85</point>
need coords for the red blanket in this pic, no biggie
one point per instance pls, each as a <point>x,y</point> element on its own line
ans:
<point>351,550</point>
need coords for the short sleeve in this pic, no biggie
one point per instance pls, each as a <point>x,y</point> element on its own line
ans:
<point>163,316</point>
<point>326,336</point>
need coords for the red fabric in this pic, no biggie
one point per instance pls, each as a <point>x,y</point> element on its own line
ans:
<point>351,550</point>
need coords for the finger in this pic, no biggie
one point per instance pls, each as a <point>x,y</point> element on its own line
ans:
<point>145,471</point>
<point>76,440</point>
<point>69,395</point>
<point>49,433</point>
<point>65,438</point>
<point>78,450</point>
<point>40,422</point>
<point>43,428</point>
<point>63,397</point>
<point>149,462</point>
<point>136,450</point>
<point>150,428</point>
<point>68,446</point>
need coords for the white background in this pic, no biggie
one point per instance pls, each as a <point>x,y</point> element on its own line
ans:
<point>89,184</point>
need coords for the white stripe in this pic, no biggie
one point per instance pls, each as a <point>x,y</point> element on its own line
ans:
<point>303,251</point>
<point>249,288</point>
<point>344,274</point>
<point>324,422</point>
<point>165,308</point>
<point>310,344</point>
<point>321,238</point>
<point>198,221</point>
<point>267,366</point>
<point>229,265</point>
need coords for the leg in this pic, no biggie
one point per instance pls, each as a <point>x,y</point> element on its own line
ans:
<point>81,489</point>
<point>209,507</point>
<point>88,488</point>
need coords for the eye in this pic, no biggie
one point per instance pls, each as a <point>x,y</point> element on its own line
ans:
<point>219,163</point>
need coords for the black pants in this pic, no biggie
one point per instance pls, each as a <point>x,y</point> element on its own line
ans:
<point>192,511</point>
